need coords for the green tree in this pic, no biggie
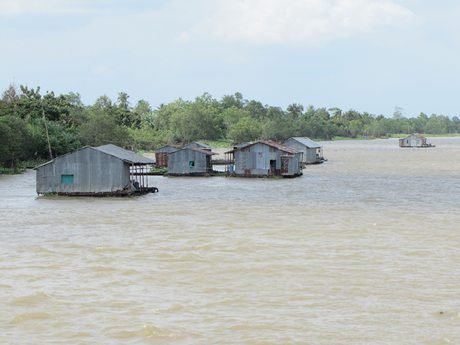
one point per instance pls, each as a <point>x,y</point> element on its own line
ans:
<point>143,114</point>
<point>236,100</point>
<point>231,116</point>
<point>336,112</point>
<point>102,129</point>
<point>61,141</point>
<point>74,99</point>
<point>78,112</point>
<point>17,141</point>
<point>144,138</point>
<point>103,102</point>
<point>247,129</point>
<point>256,109</point>
<point>398,113</point>
<point>355,127</point>
<point>11,94</point>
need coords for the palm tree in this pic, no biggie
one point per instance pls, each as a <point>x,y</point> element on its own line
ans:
<point>295,109</point>
<point>123,100</point>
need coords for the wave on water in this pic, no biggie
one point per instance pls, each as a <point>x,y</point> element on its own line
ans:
<point>146,332</point>
<point>32,316</point>
<point>36,298</point>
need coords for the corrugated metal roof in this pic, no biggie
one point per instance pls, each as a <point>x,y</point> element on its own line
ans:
<point>272,144</point>
<point>207,147</point>
<point>167,146</point>
<point>307,142</point>
<point>209,153</point>
<point>125,155</point>
<point>115,151</point>
<point>280,146</point>
<point>417,135</point>
<point>242,145</point>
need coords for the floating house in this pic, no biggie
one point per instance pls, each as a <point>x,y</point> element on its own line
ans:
<point>312,151</point>
<point>265,158</point>
<point>414,140</point>
<point>161,155</point>
<point>197,145</point>
<point>190,161</point>
<point>95,171</point>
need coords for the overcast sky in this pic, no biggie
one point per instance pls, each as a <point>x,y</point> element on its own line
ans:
<point>367,55</point>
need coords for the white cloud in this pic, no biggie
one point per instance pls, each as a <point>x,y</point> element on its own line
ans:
<point>183,37</point>
<point>299,21</point>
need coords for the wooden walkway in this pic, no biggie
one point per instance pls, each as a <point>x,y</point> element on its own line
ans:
<point>222,162</point>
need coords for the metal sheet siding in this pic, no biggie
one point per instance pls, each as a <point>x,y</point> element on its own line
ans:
<point>161,159</point>
<point>93,171</point>
<point>179,162</point>
<point>239,162</point>
<point>293,167</point>
<point>256,158</point>
<point>262,160</point>
<point>309,154</point>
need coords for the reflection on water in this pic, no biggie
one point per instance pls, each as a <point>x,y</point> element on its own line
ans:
<point>362,249</point>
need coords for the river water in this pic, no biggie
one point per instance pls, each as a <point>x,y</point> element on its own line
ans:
<point>364,249</point>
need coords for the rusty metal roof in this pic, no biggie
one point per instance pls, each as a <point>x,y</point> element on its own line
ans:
<point>272,144</point>
<point>417,135</point>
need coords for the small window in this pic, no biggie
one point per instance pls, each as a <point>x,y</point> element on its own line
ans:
<point>192,164</point>
<point>67,179</point>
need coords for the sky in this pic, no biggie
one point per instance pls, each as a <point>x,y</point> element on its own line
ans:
<point>366,55</point>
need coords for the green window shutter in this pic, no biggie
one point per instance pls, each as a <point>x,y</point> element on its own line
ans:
<point>68,179</point>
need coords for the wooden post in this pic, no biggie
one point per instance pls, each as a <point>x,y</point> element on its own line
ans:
<point>46,129</point>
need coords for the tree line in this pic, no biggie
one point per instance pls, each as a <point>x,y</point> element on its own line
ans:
<point>31,122</point>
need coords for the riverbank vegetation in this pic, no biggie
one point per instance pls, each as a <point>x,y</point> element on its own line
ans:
<point>31,123</point>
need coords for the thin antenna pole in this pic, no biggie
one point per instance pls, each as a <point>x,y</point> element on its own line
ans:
<point>47,136</point>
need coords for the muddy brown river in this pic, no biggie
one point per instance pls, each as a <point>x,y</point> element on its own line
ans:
<point>364,249</point>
